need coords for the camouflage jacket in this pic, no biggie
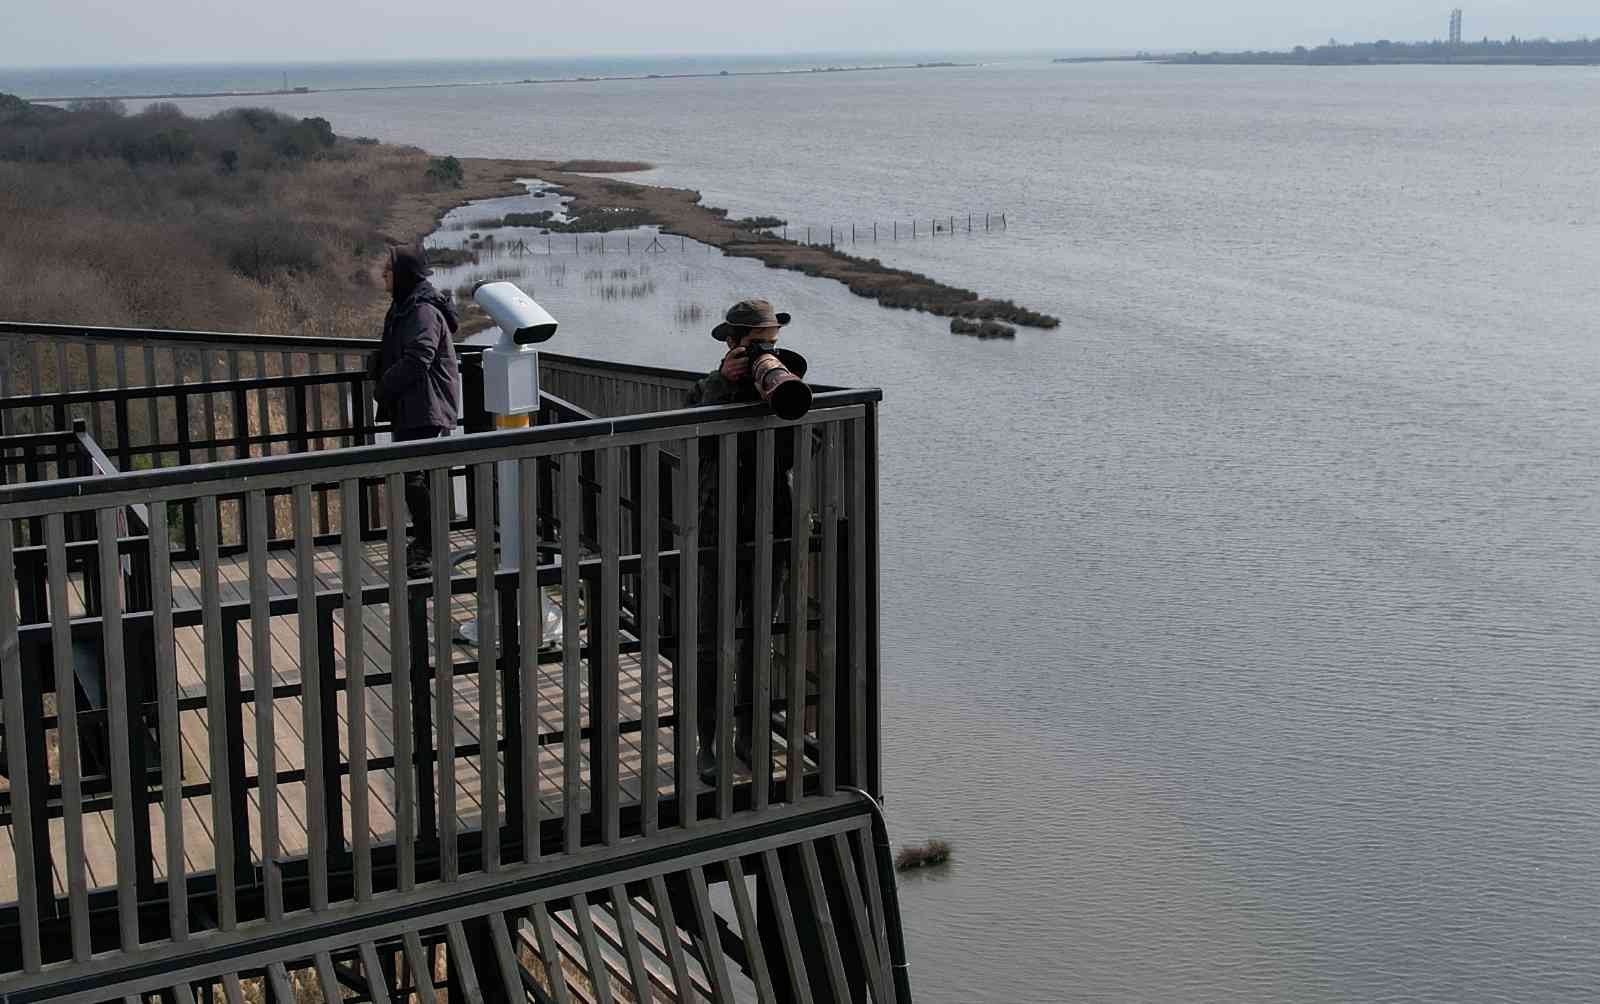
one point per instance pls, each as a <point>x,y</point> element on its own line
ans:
<point>713,389</point>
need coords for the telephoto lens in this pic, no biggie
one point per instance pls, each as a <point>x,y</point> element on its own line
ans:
<point>772,369</point>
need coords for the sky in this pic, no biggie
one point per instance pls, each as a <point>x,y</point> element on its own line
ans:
<point>92,32</point>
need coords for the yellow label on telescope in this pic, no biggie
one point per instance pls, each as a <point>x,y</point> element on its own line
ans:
<point>512,421</point>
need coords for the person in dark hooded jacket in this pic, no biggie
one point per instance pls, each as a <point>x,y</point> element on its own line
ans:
<point>418,382</point>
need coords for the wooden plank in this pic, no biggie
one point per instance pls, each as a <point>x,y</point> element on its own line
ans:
<point>421,968</point>
<point>182,993</point>
<point>727,644</point>
<point>405,816</point>
<point>622,909</point>
<point>22,797</point>
<point>858,603</point>
<point>594,962</point>
<point>711,955</point>
<point>685,668</point>
<point>880,923</point>
<point>444,717</point>
<point>166,671</point>
<point>673,937</point>
<point>331,990</point>
<point>549,953</point>
<point>231,990</point>
<point>461,968</point>
<point>748,931</point>
<point>278,983</point>
<point>572,711</point>
<point>505,957</point>
<point>603,717</point>
<point>67,714</point>
<point>793,957</point>
<point>531,603</point>
<point>823,913</point>
<point>377,982</point>
<point>488,681</point>
<point>222,828</point>
<point>799,607</point>
<point>311,700</point>
<point>866,943</point>
<point>355,673</point>
<point>265,708</point>
<point>116,669</point>
<point>828,643</point>
<point>650,633</point>
<point>760,660</point>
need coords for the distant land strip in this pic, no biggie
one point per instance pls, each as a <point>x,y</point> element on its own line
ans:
<point>606,203</point>
<point>1489,52</point>
<point>293,91</point>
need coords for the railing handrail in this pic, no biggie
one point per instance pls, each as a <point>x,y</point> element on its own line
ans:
<point>292,343</point>
<point>142,392</point>
<point>18,501</point>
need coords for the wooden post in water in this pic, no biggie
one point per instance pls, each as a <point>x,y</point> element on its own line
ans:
<point>629,239</point>
<point>896,229</point>
<point>874,233</point>
<point>852,233</point>
<point>952,224</point>
<point>1002,221</point>
<point>913,229</point>
<point>808,235</point>
<point>969,223</point>
<point>986,222</point>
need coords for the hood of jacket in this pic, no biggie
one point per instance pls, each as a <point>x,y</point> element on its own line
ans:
<point>426,293</point>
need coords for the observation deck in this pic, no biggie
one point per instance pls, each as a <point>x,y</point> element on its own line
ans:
<point>245,754</point>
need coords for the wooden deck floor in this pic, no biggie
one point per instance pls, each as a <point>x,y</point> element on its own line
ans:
<point>289,745</point>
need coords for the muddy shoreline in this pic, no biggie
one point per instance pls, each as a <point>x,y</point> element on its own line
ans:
<point>679,212</point>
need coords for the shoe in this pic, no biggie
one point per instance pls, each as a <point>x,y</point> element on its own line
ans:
<point>419,563</point>
<point>706,762</point>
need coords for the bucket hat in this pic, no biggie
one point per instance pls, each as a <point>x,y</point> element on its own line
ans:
<point>754,313</point>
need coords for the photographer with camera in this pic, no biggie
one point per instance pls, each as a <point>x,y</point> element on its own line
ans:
<point>752,369</point>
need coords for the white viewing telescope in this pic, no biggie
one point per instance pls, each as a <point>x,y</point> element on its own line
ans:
<point>511,394</point>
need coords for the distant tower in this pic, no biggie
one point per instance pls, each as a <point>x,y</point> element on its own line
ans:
<point>1455,28</point>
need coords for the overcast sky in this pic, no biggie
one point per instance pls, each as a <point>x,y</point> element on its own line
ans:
<point>83,32</point>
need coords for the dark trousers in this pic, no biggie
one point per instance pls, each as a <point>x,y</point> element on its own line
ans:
<point>708,675</point>
<point>418,498</point>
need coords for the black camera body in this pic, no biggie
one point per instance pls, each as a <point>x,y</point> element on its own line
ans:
<point>776,373</point>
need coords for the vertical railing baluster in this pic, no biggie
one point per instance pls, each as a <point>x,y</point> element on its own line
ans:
<point>36,364</point>
<point>488,607</point>
<point>727,638</point>
<point>217,712</point>
<point>266,717</point>
<point>571,708</point>
<point>171,724</point>
<point>263,417</point>
<point>208,404</point>
<point>318,797</point>
<point>355,678</point>
<point>799,610</point>
<point>124,434</point>
<point>758,662</point>
<point>444,687</point>
<point>531,599</point>
<point>67,733</point>
<point>116,668</point>
<point>153,433</point>
<point>23,798</point>
<point>649,492</point>
<point>405,812</point>
<point>685,660</point>
<point>828,643</point>
<point>92,353</point>
<point>604,665</point>
<point>858,602</point>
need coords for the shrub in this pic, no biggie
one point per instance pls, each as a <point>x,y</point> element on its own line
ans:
<point>934,852</point>
<point>262,250</point>
<point>446,172</point>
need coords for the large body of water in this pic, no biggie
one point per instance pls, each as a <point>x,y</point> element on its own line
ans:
<point>1242,633</point>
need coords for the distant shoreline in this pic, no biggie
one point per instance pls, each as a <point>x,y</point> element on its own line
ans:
<point>297,91</point>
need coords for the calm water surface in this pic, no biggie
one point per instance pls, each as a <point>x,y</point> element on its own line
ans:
<point>1241,633</point>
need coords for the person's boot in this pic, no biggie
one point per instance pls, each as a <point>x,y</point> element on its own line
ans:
<point>419,562</point>
<point>705,761</point>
